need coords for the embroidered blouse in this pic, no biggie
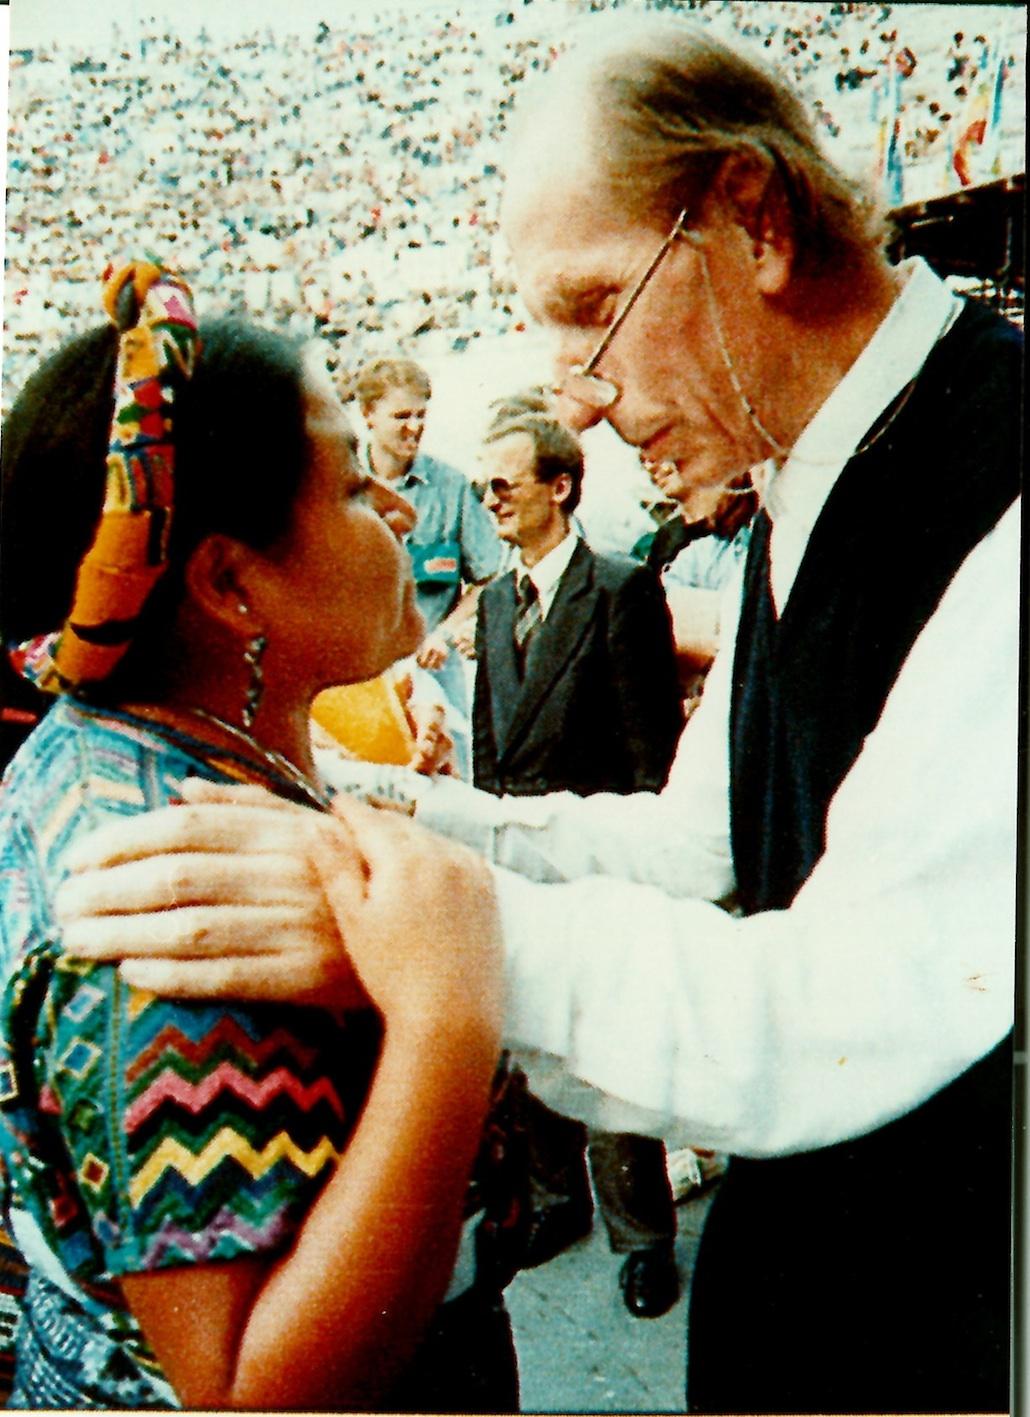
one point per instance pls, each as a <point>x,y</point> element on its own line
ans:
<point>136,1133</point>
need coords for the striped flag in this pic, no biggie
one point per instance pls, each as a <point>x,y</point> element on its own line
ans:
<point>889,141</point>
<point>992,137</point>
<point>973,129</point>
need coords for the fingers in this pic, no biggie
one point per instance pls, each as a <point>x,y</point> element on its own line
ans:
<point>342,866</point>
<point>194,932</point>
<point>215,826</point>
<point>200,789</point>
<point>432,653</point>
<point>432,744</point>
<point>270,980</point>
<point>390,846</point>
<point>184,879</point>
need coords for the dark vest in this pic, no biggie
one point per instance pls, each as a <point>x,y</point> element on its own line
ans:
<point>870,1276</point>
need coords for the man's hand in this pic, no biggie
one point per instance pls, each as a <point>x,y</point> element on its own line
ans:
<point>218,896</point>
<point>433,651</point>
<point>433,752</point>
<point>235,894</point>
<point>464,639</point>
<point>424,936</point>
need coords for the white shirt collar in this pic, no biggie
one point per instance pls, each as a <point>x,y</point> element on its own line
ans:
<point>549,570</point>
<point>794,494</point>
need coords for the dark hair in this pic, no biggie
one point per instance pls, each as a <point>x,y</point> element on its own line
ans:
<point>556,450</point>
<point>240,455</point>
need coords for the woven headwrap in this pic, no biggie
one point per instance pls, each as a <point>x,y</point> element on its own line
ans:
<point>153,310</point>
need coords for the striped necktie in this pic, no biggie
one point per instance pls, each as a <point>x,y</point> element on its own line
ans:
<point>528,616</point>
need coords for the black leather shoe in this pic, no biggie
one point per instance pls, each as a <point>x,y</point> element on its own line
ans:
<point>554,1229</point>
<point>650,1282</point>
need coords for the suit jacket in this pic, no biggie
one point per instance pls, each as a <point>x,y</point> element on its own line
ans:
<point>599,708</point>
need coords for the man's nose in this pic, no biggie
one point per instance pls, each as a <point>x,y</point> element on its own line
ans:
<point>573,413</point>
<point>576,414</point>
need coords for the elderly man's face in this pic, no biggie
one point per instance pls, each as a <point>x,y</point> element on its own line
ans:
<point>577,255</point>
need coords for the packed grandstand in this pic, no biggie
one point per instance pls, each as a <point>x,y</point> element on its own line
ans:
<point>344,181</point>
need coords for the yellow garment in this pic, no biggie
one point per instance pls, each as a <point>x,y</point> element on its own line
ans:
<point>369,720</point>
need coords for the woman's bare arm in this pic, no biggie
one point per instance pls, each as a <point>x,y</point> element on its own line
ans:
<point>332,1322</point>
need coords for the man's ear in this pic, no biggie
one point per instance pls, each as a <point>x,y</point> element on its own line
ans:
<point>561,489</point>
<point>754,197</point>
<point>215,580</point>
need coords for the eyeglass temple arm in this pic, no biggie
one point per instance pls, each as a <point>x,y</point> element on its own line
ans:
<point>678,229</point>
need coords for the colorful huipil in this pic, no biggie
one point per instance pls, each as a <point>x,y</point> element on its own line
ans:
<point>136,1133</point>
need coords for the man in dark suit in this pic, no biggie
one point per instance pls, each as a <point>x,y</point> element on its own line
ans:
<point>588,701</point>
<point>576,690</point>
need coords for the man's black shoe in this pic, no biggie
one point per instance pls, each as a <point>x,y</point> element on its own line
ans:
<point>650,1282</point>
<point>554,1229</point>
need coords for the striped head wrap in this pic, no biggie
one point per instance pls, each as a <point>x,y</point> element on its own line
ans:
<point>153,311</point>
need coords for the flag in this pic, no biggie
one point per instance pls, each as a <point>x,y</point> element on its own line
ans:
<point>992,137</point>
<point>888,155</point>
<point>885,115</point>
<point>973,128</point>
<point>894,177</point>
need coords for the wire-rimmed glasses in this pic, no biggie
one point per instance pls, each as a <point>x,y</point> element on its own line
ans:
<point>580,381</point>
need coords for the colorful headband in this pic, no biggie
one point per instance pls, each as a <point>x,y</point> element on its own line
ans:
<point>153,310</point>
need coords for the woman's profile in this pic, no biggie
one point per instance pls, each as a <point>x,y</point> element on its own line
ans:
<point>223,1206</point>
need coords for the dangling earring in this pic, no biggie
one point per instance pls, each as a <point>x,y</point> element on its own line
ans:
<point>252,656</point>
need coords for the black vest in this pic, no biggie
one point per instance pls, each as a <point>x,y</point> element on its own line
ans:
<point>870,1276</point>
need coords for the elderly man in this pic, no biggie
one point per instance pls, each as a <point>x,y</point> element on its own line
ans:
<point>718,293</point>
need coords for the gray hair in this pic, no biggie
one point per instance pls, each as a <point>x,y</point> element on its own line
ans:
<point>536,399</point>
<point>670,101</point>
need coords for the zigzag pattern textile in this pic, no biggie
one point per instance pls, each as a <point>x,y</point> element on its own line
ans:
<point>140,1133</point>
<point>130,546</point>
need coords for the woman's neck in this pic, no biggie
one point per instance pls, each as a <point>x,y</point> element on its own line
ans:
<point>284,734</point>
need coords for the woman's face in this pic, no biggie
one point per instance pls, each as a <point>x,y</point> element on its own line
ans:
<point>337,596</point>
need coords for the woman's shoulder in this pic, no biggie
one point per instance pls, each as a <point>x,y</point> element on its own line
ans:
<point>80,764</point>
<point>74,770</point>
<point>94,752</point>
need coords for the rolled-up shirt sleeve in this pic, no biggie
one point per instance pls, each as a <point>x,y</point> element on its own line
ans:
<point>890,974</point>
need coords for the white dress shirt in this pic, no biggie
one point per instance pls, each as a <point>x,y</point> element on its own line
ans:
<point>548,571</point>
<point>891,972</point>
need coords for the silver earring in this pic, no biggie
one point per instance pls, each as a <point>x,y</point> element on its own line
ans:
<point>252,657</point>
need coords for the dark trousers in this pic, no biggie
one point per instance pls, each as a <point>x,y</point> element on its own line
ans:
<point>629,1173</point>
<point>872,1276</point>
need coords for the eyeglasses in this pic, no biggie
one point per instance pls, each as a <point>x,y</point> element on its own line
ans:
<point>580,382</point>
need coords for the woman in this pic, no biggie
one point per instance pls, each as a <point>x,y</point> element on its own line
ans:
<point>223,1207</point>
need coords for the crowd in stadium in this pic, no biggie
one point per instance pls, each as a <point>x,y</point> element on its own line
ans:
<point>346,183</point>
